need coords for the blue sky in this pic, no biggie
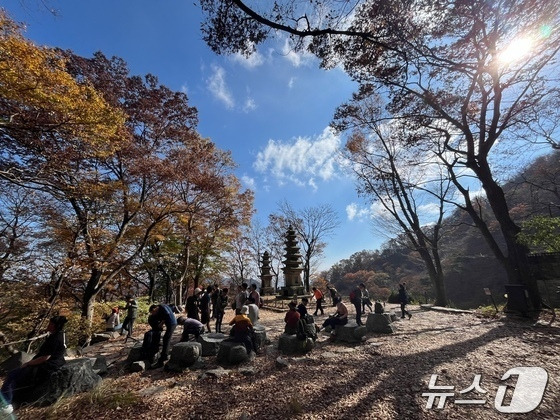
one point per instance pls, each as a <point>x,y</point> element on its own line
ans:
<point>272,110</point>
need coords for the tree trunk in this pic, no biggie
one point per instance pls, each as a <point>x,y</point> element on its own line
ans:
<point>436,276</point>
<point>516,262</point>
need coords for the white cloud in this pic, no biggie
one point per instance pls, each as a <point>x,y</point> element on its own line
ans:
<point>297,59</point>
<point>217,85</point>
<point>302,161</point>
<point>291,82</point>
<point>249,105</point>
<point>249,182</point>
<point>253,61</point>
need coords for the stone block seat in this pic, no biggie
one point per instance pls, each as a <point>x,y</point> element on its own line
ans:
<point>290,344</point>
<point>350,332</point>
<point>260,336</point>
<point>231,352</point>
<point>184,355</point>
<point>211,343</point>
<point>75,376</point>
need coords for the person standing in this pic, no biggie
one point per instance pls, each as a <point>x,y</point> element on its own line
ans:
<point>205,300</point>
<point>365,298</point>
<point>255,295</point>
<point>335,296</point>
<point>404,299</point>
<point>221,305</point>
<point>161,315</point>
<point>193,303</point>
<point>318,295</point>
<point>241,297</point>
<point>356,300</point>
<point>253,311</point>
<point>131,309</point>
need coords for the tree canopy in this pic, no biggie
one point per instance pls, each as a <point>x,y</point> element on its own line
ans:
<point>446,69</point>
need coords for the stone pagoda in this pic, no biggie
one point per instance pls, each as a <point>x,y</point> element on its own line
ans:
<point>266,277</point>
<point>292,266</point>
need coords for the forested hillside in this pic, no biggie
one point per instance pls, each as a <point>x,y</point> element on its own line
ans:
<point>469,265</point>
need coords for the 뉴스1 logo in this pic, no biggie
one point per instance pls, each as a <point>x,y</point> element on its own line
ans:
<point>527,394</point>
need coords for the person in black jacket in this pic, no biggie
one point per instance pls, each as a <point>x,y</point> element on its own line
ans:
<point>131,315</point>
<point>404,299</point>
<point>48,359</point>
<point>161,315</point>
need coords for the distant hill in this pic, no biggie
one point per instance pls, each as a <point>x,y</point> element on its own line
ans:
<point>469,265</point>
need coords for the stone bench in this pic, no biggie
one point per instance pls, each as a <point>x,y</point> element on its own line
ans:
<point>290,344</point>
<point>210,343</point>
<point>380,323</point>
<point>231,352</point>
<point>260,336</point>
<point>74,377</point>
<point>184,355</point>
<point>350,332</point>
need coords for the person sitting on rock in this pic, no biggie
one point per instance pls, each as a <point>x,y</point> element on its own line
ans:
<point>190,326</point>
<point>48,359</point>
<point>302,307</point>
<point>291,319</point>
<point>161,315</point>
<point>112,323</point>
<point>242,329</point>
<point>338,318</point>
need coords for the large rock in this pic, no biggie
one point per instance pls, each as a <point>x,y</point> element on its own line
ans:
<point>290,344</point>
<point>184,355</point>
<point>350,332</point>
<point>379,323</point>
<point>211,343</point>
<point>232,353</point>
<point>75,376</point>
<point>135,354</point>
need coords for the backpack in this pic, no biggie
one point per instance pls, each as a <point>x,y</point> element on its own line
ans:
<point>306,330</point>
<point>352,296</point>
<point>150,345</point>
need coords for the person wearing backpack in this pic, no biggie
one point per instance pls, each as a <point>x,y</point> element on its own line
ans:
<point>356,300</point>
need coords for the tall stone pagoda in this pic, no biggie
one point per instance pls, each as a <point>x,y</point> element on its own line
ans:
<point>266,277</point>
<point>292,266</point>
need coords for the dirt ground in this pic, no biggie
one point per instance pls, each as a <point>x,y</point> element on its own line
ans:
<point>384,377</point>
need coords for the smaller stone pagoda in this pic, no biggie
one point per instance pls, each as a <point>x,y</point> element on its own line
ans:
<point>266,277</point>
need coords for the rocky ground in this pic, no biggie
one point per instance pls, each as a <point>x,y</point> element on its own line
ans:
<point>383,377</point>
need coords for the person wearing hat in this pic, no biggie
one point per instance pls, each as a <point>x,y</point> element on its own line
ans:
<point>131,309</point>
<point>193,304</point>
<point>48,359</point>
<point>242,329</point>
<point>291,319</point>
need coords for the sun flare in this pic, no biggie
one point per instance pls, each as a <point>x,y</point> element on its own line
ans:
<point>516,50</point>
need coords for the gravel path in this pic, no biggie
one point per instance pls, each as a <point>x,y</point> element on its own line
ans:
<point>383,377</point>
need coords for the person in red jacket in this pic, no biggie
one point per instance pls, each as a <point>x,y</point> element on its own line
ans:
<point>291,319</point>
